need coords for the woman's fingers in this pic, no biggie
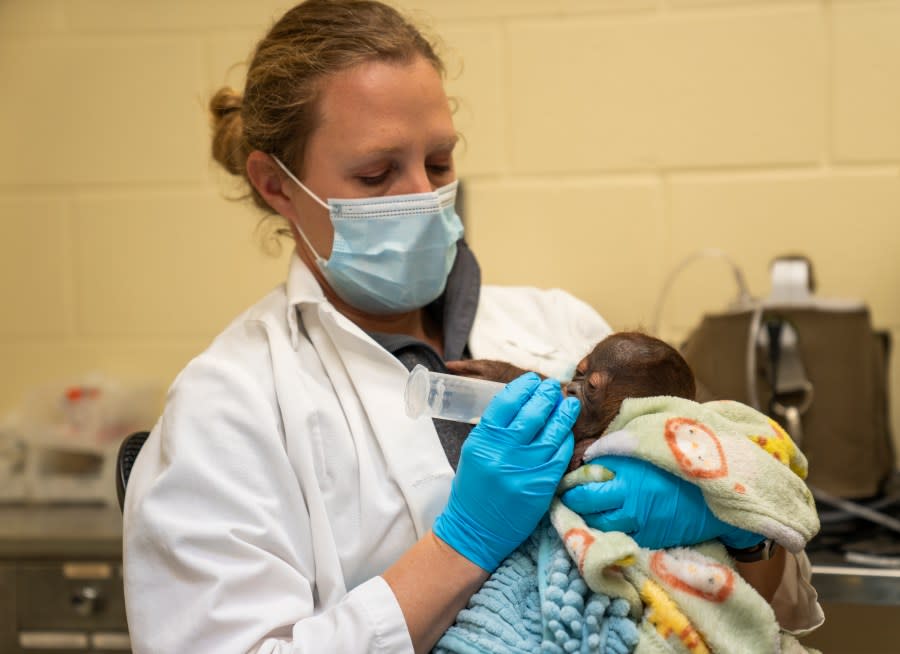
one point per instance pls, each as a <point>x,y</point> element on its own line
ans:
<point>509,402</point>
<point>618,520</point>
<point>595,497</point>
<point>559,426</point>
<point>536,412</point>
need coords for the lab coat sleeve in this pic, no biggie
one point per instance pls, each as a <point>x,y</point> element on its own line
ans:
<point>796,603</point>
<point>218,547</point>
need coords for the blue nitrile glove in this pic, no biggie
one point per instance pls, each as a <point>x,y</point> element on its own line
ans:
<point>509,468</point>
<point>653,506</point>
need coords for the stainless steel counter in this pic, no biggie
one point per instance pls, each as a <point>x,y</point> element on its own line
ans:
<point>838,581</point>
<point>60,532</point>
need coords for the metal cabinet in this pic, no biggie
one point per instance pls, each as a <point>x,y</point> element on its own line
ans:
<point>7,607</point>
<point>61,581</point>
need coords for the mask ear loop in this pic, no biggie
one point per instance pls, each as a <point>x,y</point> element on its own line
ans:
<point>315,197</point>
<point>299,183</point>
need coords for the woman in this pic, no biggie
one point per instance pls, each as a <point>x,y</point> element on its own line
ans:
<point>284,502</point>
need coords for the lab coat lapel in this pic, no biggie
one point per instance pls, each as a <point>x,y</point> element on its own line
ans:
<point>329,580</point>
<point>411,448</point>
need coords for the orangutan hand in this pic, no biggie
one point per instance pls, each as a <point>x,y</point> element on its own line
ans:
<point>498,371</point>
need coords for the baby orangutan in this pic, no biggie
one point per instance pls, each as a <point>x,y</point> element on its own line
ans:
<point>622,365</point>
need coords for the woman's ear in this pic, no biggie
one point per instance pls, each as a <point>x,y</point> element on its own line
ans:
<point>271,183</point>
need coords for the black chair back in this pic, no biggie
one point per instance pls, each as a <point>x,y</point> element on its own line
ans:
<point>128,453</point>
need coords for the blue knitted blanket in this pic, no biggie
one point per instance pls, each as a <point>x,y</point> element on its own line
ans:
<point>536,601</point>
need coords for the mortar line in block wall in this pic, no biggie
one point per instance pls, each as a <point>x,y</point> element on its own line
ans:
<point>544,180</point>
<point>506,71</point>
<point>812,171</point>
<point>757,7</point>
<point>70,285</point>
<point>828,90</point>
<point>197,342</point>
<point>65,189</point>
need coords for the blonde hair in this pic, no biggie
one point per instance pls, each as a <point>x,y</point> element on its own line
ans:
<point>279,107</point>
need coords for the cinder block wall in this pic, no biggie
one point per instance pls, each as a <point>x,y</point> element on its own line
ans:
<point>606,141</point>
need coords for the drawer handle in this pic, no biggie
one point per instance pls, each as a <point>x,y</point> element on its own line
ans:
<point>107,640</point>
<point>86,601</point>
<point>45,640</point>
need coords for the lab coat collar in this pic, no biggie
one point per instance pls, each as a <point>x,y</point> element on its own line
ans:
<point>302,288</point>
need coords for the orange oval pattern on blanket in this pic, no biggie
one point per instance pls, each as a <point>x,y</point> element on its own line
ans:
<point>696,448</point>
<point>578,541</point>
<point>693,573</point>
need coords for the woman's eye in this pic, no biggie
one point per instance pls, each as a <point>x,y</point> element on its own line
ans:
<point>436,169</point>
<point>374,180</point>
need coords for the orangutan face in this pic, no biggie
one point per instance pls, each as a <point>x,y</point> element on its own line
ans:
<point>623,365</point>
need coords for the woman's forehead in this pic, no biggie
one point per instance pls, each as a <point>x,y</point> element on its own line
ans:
<point>379,106</point>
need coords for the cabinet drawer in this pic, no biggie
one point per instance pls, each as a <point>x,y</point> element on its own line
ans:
<point>79,596</point>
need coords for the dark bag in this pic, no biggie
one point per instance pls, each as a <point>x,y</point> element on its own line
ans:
<point>821,371</point>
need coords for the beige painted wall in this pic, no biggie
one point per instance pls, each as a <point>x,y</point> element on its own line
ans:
<point>607,139</point>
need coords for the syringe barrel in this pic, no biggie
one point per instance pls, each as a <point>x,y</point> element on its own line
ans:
<point>447,396</point>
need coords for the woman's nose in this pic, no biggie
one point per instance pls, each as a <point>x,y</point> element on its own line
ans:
<point>416,182</point>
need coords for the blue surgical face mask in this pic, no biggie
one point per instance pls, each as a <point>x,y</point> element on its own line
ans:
<point>392,253</point>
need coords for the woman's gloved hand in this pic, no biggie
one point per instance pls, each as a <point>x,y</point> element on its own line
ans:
<point>653,506</point>
<point>509,468</point>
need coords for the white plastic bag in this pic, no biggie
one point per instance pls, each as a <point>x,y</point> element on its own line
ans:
<point>71,434</point>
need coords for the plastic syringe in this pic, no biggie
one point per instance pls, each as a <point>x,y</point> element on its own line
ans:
<point>447,396</point>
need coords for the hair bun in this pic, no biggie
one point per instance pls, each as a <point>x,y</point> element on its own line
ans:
<point>226,101</point>
<point>228,147</point>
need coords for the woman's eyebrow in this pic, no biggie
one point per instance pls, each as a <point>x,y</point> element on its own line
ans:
<point>376,150</point>
<point>380,151</point>
<point>446,144</point>
<point>367,155</point>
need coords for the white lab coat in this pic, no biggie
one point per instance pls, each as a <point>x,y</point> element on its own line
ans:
<point>284,476</point>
